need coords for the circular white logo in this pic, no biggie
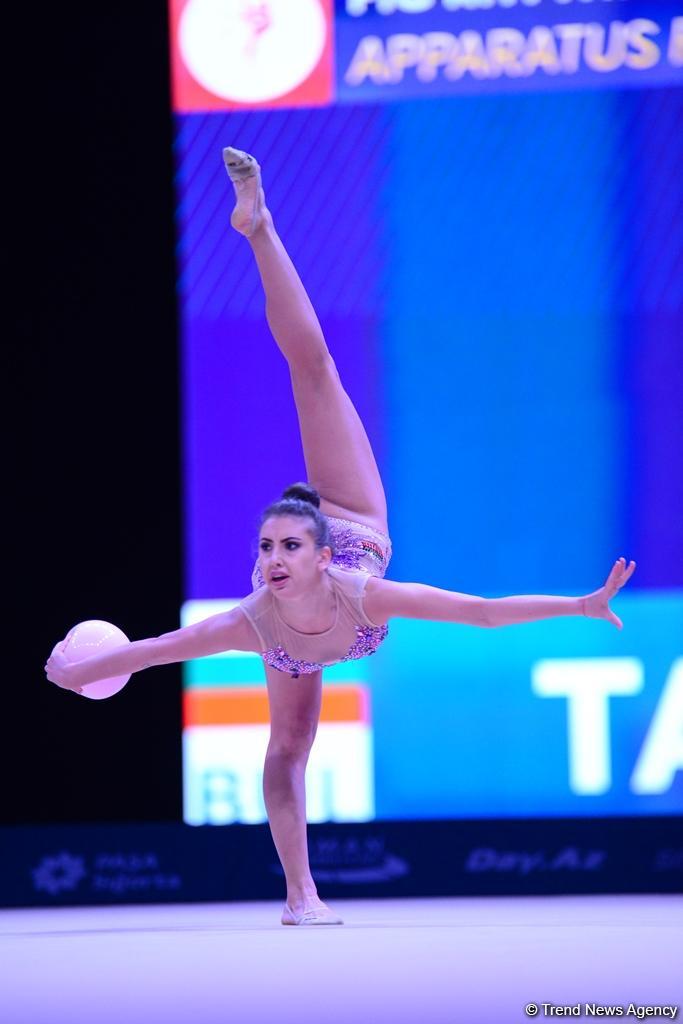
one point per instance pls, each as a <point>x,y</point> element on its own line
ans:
<point>251,50</point>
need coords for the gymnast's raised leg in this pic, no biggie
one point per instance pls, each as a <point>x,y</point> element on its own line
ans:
<point>339,460</point>
<point>341,466</point>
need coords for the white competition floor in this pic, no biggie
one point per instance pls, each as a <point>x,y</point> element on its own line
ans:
<point>433,961</point>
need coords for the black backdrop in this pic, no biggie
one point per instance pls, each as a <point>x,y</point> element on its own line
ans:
<point>92,451</point>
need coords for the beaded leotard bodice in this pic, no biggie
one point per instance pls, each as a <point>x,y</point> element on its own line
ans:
<point>367,641</point>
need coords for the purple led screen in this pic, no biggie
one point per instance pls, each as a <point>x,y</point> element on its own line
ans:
<point>381,254</point>
<point>241,443</point>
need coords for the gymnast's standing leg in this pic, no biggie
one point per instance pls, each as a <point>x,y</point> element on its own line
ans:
<point>341,466</point>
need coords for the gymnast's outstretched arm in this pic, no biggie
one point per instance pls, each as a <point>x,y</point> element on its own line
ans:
<point>385,599</point>
<point>227,631</point>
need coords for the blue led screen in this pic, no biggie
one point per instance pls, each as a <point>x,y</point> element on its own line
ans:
<point>500,281</point>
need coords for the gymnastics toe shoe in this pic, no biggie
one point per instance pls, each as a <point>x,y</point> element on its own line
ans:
<point>315,915</point>
<point>239,165</point>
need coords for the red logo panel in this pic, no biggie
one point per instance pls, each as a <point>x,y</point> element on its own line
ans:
<point>251,54</point>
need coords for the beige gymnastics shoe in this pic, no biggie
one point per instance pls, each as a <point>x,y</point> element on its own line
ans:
<point>245,174</point>
<point>315,915</point>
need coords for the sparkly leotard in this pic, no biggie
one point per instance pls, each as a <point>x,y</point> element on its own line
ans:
<point>359,553</point>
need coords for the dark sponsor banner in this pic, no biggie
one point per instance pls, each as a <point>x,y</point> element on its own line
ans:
<point>105,864</point>
<point>404,49</point>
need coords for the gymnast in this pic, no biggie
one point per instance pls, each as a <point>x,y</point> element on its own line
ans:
<point>319,593</point>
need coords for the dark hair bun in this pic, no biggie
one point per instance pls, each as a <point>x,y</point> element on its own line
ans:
<point>303,492</point>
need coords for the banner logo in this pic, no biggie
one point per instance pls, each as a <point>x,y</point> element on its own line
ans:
<point>354,860</point>
<point>251,52</point>
<point>58,874</point>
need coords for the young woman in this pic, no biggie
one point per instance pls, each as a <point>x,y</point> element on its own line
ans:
<point>319,594</point>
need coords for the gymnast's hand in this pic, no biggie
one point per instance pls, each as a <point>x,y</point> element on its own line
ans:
<point>57,669</point>
<point>596,605</point>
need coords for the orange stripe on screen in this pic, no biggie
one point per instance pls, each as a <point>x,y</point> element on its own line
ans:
<point>249,705</point>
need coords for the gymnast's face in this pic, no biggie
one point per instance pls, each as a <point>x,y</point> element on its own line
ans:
<point>289,560</point>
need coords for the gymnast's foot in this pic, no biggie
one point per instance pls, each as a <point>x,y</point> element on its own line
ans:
<point>313,911</point>
<point>250,210</point>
